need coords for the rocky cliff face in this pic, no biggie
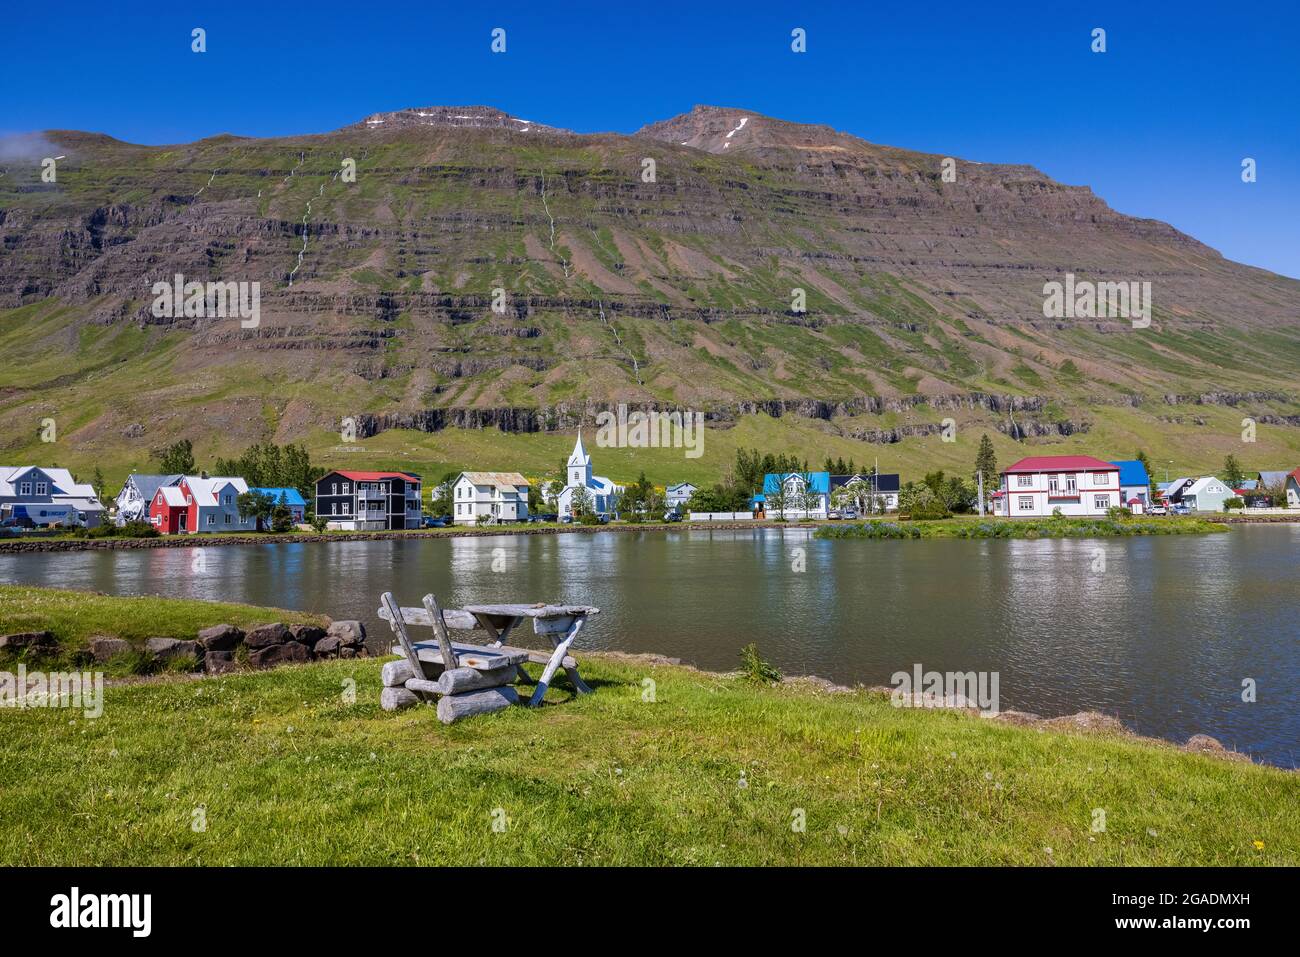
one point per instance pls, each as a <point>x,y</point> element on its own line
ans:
<point>457,264</point>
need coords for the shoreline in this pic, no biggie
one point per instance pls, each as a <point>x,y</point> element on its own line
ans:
<point>21,545</point>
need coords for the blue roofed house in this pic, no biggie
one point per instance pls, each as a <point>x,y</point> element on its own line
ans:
<point>795,493</point>
<point>287,496</point>
<point>1134,483</point>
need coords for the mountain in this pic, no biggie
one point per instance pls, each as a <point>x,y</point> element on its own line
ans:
<point>924,297</point>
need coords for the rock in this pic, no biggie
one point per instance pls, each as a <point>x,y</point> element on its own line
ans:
<point>351,633</point>
<point>1085,721</point>
<point>221,638</point>
<point>307,634</point>
<point>219,662</point>
<point>395,699</point>
<point>39,642</point>
<point>1204,744</point>
<point>165,649</point>
<point>328,647</point>
<point>264,636</point>
<point>102,647</point>
<point>1021,718</point>
<point>288,653</point>
<point>347,652</point>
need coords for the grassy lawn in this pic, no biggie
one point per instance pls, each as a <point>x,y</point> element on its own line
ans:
<point>975,526</point>
<point>72,617</point>
<point>288,767</point>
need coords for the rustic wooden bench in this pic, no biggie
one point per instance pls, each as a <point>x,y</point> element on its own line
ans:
<point>494,661</point>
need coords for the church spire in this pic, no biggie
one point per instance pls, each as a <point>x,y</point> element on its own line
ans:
<point>579,457</point>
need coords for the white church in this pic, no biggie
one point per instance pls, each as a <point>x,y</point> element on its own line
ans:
<point>601,489</point>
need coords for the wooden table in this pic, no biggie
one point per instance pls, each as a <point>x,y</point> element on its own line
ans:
<point>559,623</point>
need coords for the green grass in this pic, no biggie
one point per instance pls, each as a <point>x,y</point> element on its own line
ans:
<point>72,617</point>
<point>289,769</point>
<point>974,526</point>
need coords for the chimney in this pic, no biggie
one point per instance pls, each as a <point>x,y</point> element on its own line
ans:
<point>203,474</point>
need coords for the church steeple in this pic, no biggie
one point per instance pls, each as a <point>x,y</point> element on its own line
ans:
<point>579,465</point>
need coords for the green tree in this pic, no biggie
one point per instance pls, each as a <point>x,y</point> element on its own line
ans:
<point>97,483</point>
<point>1151,474</point>
<point>258,505</point>
<point>281,517</point>
<point>442,504</point>
<point>177,458</point>
<point>986,464</point>
<point>1232,473</point>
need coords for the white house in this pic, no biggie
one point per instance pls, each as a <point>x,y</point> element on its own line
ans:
<point>1293,489</point>
<point>1076,484</point>
<point>676,496</point>
<point>213,503</point>
<point>501,496</point>
<point>1206,494</point>
<point>47,497</point>
<point>578,471</point>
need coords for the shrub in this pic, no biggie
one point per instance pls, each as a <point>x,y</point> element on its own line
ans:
<point>1233,503</point>
<point>754,668</point>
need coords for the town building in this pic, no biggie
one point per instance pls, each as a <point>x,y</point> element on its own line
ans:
<point>600,491</point>
<point>1206,494</point>
<point>47,496</point>
<point>1076,484</point>
<point>369,501</point>
<point>1134,482</point>
<point>137,494</point>
<point>200,504</point>
<point>489,497</point>
<point>1293,489</point>
<point>676,496</point>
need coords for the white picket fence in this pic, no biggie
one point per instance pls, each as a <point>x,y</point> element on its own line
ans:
<point>721,516</point>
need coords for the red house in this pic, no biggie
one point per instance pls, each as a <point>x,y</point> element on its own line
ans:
<point>169,510</point>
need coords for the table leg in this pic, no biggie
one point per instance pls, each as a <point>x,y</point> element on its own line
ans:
<point>561,649</point>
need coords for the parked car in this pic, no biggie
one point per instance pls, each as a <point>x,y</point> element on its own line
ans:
<point>834,514</point>
<point>544,517</point>
<point>18,521</point>
<point>440,521</point>
<point>566,520</point>
<point>1180,510</point>
<point>673,516</point>
<point>850,514</point>
<point>1261,503</point>
<point>1157,510</point>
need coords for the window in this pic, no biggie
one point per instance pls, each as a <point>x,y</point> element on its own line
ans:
<point>1024,481</point>
<point>334,508</point>
<point>1101,501</point>
<point>345,488</point>
<point>1053,484</point>
<point>334,488</point>
<point>225,499</point>
<point>25,488</point>
<point>1072,484</point>
<point>41,488</point>
<point>212,519</point>
<point>228,518</point>
<point>1026,503</point>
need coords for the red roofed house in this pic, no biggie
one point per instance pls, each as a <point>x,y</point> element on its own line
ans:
<point>369,501</point>
<point>1076,484</point>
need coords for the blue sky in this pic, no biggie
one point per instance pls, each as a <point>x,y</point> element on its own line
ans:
<point>1158,125</point>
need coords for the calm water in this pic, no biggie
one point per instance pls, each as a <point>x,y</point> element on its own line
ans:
<point>1163,638</point>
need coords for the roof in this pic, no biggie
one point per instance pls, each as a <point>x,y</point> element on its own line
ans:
<point>61,481</point>
<point>1275,477</point>
<point>579,455</point>
<point>818,481</point>
<point>1135,501</point>
<point>508,480</point>
<point>147,485</point>
<point>680,485</point>
<point>290,496</point>
<point>1132,472</point>
<point>205,490</point>
<point>1201,484</point>
<point>375,476</point>
<point>1059,463</point>
<point>172,495</point>
<point>880,481</point>
<point>1295,475</point>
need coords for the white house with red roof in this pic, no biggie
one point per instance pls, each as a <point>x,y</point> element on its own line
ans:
<point>1037,486</point>
<point>369,501</point>
<point>1293,489</point>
